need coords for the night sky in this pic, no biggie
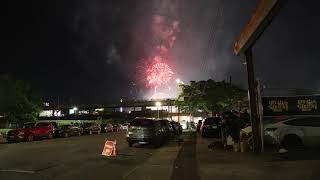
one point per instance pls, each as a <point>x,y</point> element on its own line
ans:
<point>87,51</point>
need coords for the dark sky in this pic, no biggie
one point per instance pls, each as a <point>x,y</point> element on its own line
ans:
<point>87,50</point>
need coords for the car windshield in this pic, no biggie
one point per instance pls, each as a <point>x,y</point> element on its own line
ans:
<point>142,122</point>
<point>276,119</point>
<point>211,121</point>
<point>28,125</point>
<point>42,124</point>
<point>55,125</point>
<point>87,124</point>
<point>65,126</point>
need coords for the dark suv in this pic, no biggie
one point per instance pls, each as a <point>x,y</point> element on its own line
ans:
<point>211,127</point>
<point>91,128</point>
<point>144,131</point>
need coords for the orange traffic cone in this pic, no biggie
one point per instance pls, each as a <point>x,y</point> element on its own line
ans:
<point>108,149</point>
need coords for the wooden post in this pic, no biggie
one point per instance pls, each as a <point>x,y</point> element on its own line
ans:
<point>255,123</point>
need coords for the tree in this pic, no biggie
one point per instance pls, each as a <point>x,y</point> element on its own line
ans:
<point>19,102</point>
<point>209,95</point>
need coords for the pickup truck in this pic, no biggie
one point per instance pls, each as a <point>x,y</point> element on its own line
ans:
<point>31,131</point>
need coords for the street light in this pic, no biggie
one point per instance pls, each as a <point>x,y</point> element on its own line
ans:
<point>75,109</point>
<point>179,81</point>
<point>158,104</point>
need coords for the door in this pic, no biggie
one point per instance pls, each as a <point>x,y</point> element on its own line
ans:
<point>311,129</point>
<point>40,129</point>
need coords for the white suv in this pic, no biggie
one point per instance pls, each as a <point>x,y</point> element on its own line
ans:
<point>294,132</point>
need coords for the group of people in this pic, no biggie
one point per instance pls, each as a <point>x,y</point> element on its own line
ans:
<point>232,123</point>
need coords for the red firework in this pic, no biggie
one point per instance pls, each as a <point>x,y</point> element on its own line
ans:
<point>159,74</point>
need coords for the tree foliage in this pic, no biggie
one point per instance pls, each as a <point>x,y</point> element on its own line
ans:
<point>19,102</point>
<point>209,95</point>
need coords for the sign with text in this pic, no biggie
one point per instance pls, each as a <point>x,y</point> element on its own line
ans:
<point>299,105</point>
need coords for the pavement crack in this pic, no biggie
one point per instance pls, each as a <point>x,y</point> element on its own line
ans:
<point>17,171</point>
<point>45,168</point>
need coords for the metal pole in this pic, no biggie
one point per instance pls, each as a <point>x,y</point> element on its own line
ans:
<point>158,112</point>
<point>255,123</point>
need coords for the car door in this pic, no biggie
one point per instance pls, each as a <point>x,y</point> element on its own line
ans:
<point>71,130</point>
<point>39,129</point>
<point>311,127</point>
<point>95,127</point>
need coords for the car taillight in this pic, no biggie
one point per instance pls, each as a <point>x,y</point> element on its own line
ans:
<point>271,129</point>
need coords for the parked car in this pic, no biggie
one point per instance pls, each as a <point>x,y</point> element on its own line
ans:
<point>211,127</point>
<point>31,131</point>
<point>294,132</point>
<point>91,128</point>
<point>108,128</point>
<point>176,127</point>
<point>55,127</point>
<point>167,129</point>
<point>116,127</point>
<point>144,131</point>
<point>69,130</point>
<point>102,126</point>
<point>199,125</point>
<point>125,127</point>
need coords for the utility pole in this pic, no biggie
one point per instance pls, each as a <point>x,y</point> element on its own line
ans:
<point>265,11</point>
<point>255,122</point>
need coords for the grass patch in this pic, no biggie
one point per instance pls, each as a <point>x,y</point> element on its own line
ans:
<point>4,132</point>
<point>64,122</point>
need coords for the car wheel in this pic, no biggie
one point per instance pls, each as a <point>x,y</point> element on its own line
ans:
<point>50,135</point>
<point>30,138</point>
<point>292,142</point>
<point>65,134</point>
<point>90,132</point>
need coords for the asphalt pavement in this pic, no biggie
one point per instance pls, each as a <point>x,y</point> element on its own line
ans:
<point>80,158</point>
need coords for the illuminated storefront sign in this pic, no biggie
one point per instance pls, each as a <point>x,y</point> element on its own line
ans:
<point>299,105</point>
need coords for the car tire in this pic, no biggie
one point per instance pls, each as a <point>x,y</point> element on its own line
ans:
<point>30,138</point>
<point>65,135</point>
<point>292,142</point>
<point>90,132</point>
<point>50,135</point>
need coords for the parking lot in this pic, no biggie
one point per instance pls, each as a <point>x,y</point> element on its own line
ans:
<point>79,158</point>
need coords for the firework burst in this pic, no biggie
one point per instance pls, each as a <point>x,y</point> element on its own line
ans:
<point>159,74</point>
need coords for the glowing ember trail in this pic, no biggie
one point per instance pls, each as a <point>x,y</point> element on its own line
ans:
<point>159,74</point>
